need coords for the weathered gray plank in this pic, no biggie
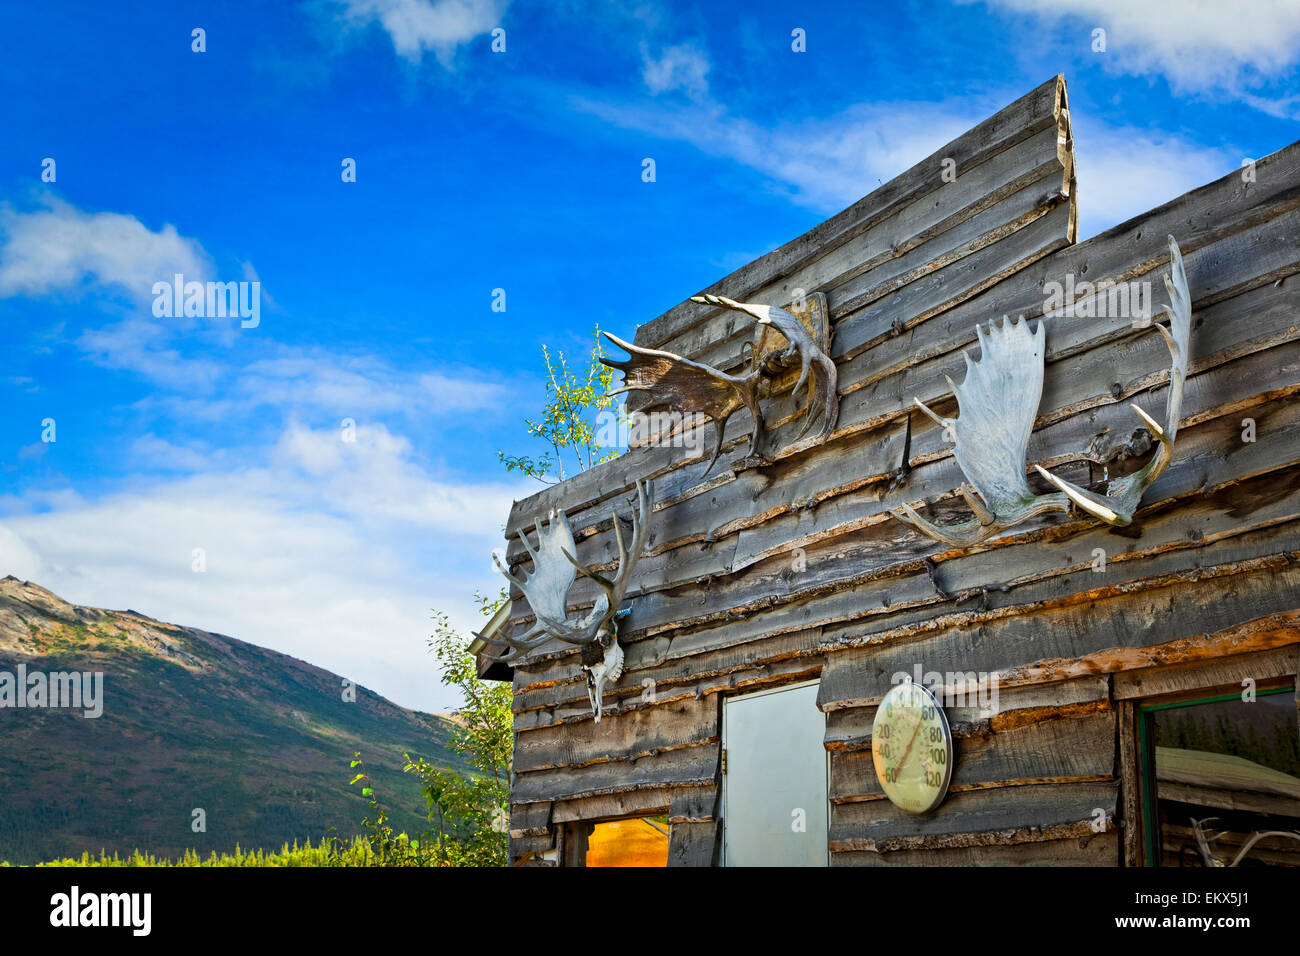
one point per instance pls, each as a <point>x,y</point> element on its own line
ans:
<point>684,767</point>
<point>1037,110</point>
<point>1091,849</point>
<point>694,844</point>
<point>1226,672</point>
<point>1066,749</point>
<point>1000,816</point>
<point>630,735</point>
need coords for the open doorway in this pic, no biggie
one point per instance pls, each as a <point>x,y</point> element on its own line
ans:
<point>775,779</point>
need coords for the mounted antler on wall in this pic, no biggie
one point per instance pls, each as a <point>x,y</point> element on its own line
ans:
<point>998,401</point>
<point>547,587</point>
<point>1123,495</point>
<point>689,387</point>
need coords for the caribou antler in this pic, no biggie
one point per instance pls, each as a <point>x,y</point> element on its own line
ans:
<point>554,570</point>
<point>998,401</point>
<point>1123,495</point>
<point>815,367</point>
<point>695,387</point>
<point>689,386</point>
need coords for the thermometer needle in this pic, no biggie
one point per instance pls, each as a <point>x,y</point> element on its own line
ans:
<point>908,749</point>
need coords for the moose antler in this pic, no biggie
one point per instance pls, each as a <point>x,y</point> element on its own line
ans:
<point>695,387</point>
<point>1123,495</point>
<point>601,616</point>
<point>554,570</point>
<point>998,401</point>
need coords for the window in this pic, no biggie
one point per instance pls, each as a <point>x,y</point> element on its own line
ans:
<point>1221,780</point>
<point>636,841</point>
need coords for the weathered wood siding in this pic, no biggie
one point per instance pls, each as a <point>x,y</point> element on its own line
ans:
<point>797,570</point>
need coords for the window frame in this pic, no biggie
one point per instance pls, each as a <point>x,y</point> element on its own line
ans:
<point>1149,798</point>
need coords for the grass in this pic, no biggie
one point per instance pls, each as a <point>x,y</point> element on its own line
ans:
<point>324,853</point>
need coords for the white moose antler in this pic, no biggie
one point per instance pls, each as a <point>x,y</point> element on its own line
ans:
<point>1123,495</point>
<point>998,401</point>
<point>554,570</point>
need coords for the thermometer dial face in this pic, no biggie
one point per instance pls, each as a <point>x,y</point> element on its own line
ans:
<point>911,745</point>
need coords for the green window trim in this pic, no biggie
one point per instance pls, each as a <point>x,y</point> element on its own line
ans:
<point>1146,756</point>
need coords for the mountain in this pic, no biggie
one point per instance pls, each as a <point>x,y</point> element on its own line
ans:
<point>258,740</point>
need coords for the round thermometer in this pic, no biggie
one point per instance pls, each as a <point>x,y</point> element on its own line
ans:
<point>911,745</point>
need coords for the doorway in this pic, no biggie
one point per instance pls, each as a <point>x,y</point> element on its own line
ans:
<point>775,770</point>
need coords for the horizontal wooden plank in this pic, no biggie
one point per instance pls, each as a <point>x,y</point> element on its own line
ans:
<point>1090,849</point>
<point>646,731</point>
<point>1214,674</point>
<point>529,820</point>
<point>556,704</point>
<point>1065,749</point>
<point>684,767</point>
<point>648,801</point>
<point>998,817</point>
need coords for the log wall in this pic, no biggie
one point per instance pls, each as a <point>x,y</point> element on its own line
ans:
<point>765,576</point>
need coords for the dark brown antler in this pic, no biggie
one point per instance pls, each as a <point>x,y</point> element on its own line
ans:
<point>689,387</point>
<point>815,367</point>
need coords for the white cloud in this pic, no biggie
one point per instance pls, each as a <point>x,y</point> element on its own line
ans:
<point>61,248</point>
<point>828,163</point>
<point>145,346</point>
<point>1124,172</point>
<point>331,552</point>
<point>1197,44</point>
<point>358,385</point>
<point>157,454</point>
<point>682,67</point>
<point>420,26</point>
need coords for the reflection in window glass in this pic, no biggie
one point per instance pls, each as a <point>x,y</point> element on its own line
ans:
<point>1227,782</point>
<point>638,842</point>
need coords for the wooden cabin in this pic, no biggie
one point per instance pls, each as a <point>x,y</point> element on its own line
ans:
<point>1116,695</point>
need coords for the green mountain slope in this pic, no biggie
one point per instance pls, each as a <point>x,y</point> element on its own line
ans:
<point>258,740</point>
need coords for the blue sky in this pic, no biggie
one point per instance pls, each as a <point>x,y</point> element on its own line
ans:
<point>476,170</point>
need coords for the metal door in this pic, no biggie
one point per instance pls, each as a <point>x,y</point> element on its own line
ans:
<point>774,789</point>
